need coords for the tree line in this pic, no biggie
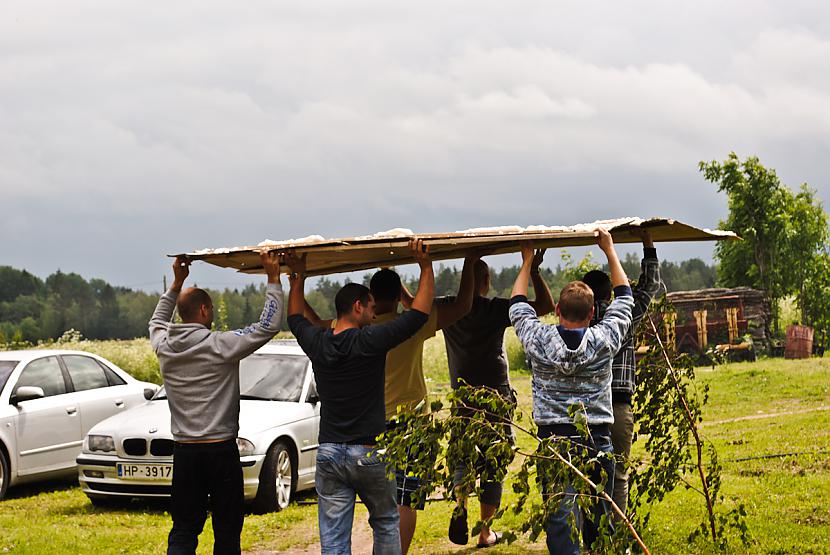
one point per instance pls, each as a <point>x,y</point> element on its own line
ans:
<point>34,309</point>
<point>784,252</point>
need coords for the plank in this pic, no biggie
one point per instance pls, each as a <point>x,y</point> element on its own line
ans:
<point>330,256</point>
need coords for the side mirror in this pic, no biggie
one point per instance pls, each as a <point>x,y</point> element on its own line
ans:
<point>149,392</point>
<point>26,393</point>
<point>313,399</point>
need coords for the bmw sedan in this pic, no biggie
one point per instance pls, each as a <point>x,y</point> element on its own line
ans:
<point>131,454</point>
<point>49,400</point>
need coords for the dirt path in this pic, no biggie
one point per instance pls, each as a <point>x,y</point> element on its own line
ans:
<point>766,415</point>
<point>361,542</point>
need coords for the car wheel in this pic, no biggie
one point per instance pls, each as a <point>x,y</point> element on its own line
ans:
<point>277,480</point>
<point>5,475</point>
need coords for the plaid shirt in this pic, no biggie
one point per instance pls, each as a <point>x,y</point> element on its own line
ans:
<point>648,286</point>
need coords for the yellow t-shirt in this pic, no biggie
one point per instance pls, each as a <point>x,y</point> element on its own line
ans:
<point>405,383</point>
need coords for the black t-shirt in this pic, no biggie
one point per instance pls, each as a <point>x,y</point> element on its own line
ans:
<point>349,371</point>
<point>475,344</point>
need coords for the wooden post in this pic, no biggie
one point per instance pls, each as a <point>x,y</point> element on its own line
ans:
<point>702,336</point>
<point>732,324</point>
<point>670,327</point>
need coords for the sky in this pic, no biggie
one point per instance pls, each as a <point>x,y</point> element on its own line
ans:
<point>131,130</point>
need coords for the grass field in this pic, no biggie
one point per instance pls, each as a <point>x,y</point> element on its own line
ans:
<point>766,408</point>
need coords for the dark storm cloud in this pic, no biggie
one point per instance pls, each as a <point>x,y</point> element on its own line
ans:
<point>132,130</point>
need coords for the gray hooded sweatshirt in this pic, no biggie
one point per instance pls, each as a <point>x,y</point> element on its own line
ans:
<point>200,367</point>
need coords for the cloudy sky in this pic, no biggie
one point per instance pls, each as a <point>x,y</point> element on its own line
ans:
<point>129,130</point>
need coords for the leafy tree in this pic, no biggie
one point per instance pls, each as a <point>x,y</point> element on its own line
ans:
<point>816,299</point>
<point>783,233</point>
<point>30,330</point>
<point>17,283</point>
<point>221,320</point>
<point>807,250</point>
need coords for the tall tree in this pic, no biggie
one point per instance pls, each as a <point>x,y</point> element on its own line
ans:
<point>807,250</point>
<point>759,211</point>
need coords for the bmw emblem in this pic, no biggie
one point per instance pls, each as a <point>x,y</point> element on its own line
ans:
<point>153,430</point>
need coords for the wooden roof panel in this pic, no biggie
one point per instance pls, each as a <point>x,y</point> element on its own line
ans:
<point>328,256</point>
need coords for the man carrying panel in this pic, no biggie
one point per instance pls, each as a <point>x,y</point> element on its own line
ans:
<point>200,369</point>
<point>476,356</point>
<point>349,367</point>
<point>405,386</point>
<point>571,365</point>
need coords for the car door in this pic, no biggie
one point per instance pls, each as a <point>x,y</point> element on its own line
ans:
<point>310,427</point>
<point>98,398</point>
<point>48,429</point>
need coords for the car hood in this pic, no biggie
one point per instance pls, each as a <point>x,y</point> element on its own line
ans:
<point>254,417</point>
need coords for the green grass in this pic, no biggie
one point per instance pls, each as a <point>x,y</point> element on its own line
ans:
<point>786,497</point>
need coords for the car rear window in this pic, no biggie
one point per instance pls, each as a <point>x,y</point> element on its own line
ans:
<point>6,368</point>
<point>112,377</point>
<point>273,377</point>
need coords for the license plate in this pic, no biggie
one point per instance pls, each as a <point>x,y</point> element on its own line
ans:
<point>145,471</point>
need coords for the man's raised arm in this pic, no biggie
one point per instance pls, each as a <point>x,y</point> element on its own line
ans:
<point>606,244</point>
<point>522,316</point>
<point>296,297</point>
<point>304,331</point>
<point>426,286</point>
<point>617,319</point>
<point>237,344</point>
<point>544,300</point>
<point>520,285</point>
<point>450,313</point>
<point>163,313</point>
<point>649,285</point>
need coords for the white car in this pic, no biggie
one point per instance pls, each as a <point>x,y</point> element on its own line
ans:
<point>131,454</point>
<point>49,400</point>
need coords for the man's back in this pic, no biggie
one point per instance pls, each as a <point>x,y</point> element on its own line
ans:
<point>200,368</point>
<point>475,344</point>
<point>404,384</point>
<point>349,369</point>
<point>572,366</point>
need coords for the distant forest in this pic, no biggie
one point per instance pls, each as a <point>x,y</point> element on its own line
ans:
<point>33,309</point>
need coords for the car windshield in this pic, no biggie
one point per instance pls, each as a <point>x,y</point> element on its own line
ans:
<point>6,367</point>
<point>268,378</point>
<point>272,377</point>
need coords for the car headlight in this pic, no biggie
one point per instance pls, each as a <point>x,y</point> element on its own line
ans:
<point>100,443</point>
<point>245,447</point>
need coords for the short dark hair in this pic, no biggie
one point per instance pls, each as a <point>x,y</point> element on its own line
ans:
<point>385,285</point>
<point>348,295</point>
<point>576,302</point>
<point>481,271</point>
<point>191,301</point>
<point>600,284</point>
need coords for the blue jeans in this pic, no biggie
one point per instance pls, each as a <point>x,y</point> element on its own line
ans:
<point>557,527</point>
<point>344,471</point>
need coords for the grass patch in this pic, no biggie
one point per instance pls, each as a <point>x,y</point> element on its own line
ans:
<point>785,497</point>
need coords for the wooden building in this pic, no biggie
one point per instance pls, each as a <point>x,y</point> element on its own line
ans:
<point>719,316</point>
